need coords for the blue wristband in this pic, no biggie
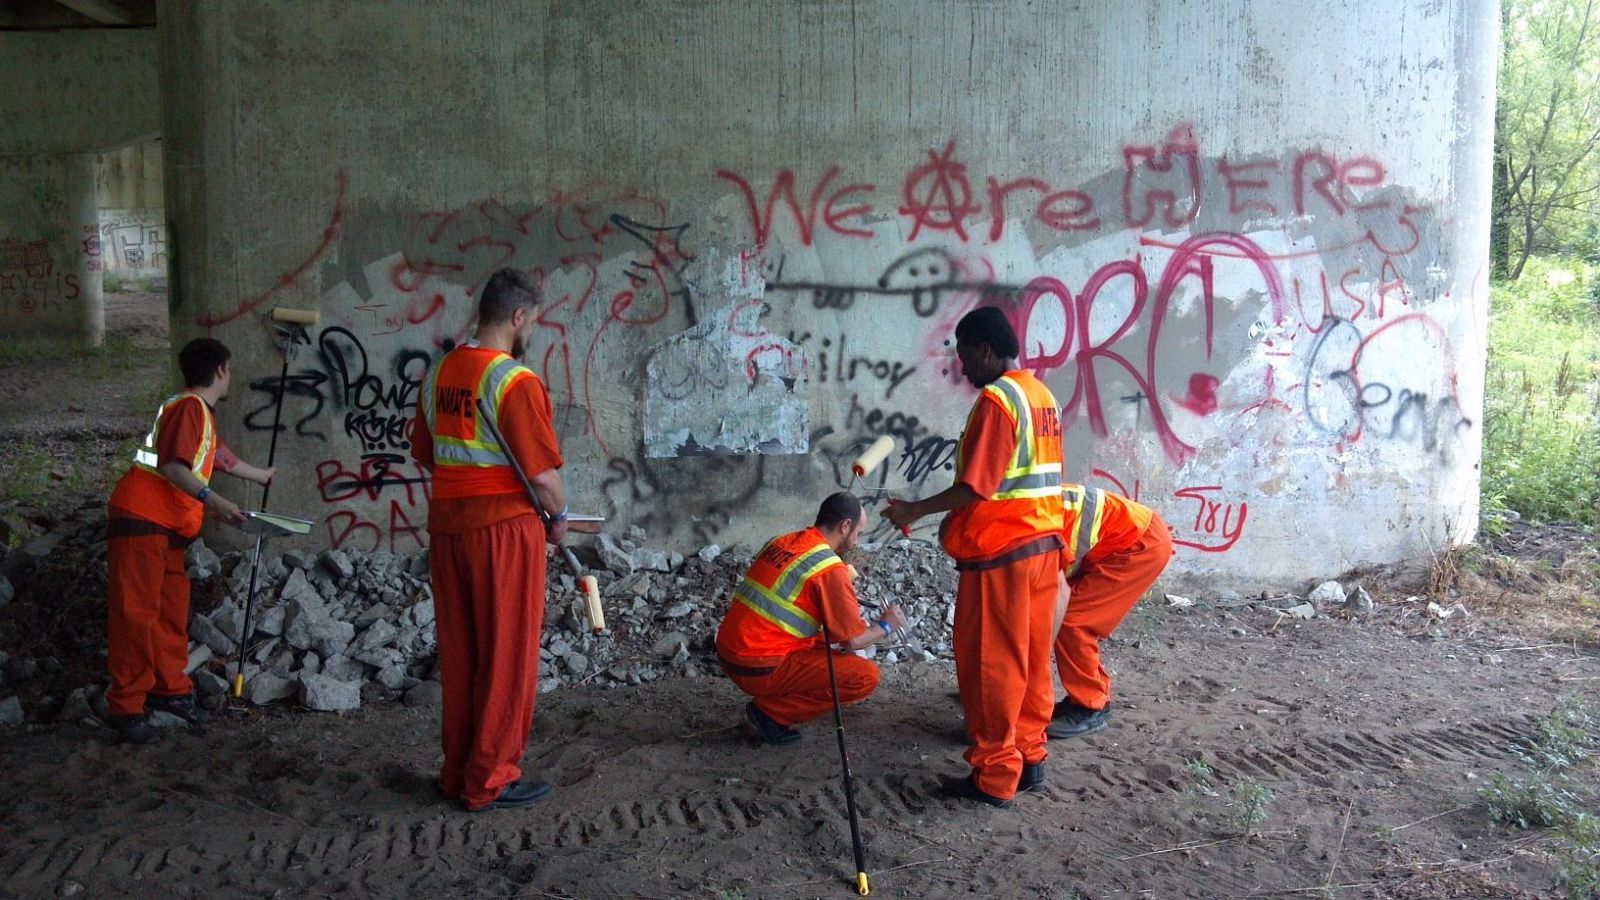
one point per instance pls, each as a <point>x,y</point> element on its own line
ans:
<point>561,516</point>
<point>205,491</point>
<point>887,628</point>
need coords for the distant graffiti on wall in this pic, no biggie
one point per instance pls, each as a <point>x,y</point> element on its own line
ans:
<point>30,279</point>
<point>133,242</point>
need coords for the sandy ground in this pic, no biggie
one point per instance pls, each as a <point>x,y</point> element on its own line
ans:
<point>1373,736</point>
<point>1356,729</point>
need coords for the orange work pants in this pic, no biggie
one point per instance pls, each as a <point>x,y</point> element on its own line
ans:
<point>1004,621</point>
<point>488,594</point>
<point>1102,593</point>
<point>797,690</point>
<point>147,621</point>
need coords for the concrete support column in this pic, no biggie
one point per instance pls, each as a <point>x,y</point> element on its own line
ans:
<point>50,248</point>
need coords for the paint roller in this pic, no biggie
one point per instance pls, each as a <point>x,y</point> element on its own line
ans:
<point>296,316</point>
<point>870,459</point>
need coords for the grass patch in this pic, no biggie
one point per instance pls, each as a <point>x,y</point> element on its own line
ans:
<point>116,356</point>
<point>1541,421</point>
<point>1557,794</point>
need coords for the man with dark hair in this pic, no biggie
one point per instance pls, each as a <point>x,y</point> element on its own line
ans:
<point>1004,531</point>
<point>488,543</point>
<point>771,642</point>
<point>154,513</point>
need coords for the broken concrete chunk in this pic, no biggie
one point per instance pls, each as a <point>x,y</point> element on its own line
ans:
<point>1327,594</point>
<point>267,687</point>
<point>1177,602</point>
<point>379,634</point>
<point>296,559</point>
<point>269,621</point>
<point>677,610</point>
<point>709,553</point>
<point>670,644</point>
<point>201,629</point>
<point>320,692</point>
<point>201,562</point>
<point>310,664</point>
<point>209,684</point>
<point>199,655</point>
<point>614,557</point>
<point>343,669</point>
<point>11,711</point>
<point>392,677</point>
<point>229,619</point>
<point>336,563</point>
<point>1303,611</point>
<point>160,718</point>
<point>652,559</point>
<point>373,614</point>
<point>422,614</point>
<point>576,663</point>
<point>77,707</point>
<point>1359,601</point>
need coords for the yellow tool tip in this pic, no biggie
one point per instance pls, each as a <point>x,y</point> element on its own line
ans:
<point>862,887</point>
<point>238,686</point>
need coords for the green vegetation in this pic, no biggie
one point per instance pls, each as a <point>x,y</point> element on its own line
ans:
<point>1541,429</point>
<point>1558,793</point>
<point>117,355</point>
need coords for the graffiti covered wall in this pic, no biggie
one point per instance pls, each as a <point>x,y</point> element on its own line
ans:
<point>1258,292</point>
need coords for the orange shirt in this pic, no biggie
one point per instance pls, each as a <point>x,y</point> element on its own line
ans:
<point>746,638</point>
<point>1122,523</point>
<point>526,422</point>
<point>990,527</point>
<point>141,494</point>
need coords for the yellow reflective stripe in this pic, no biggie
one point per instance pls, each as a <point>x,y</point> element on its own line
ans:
<point>792,619</point>
<point>430,402</point>
<point>147,458</point>
<point>779,603</point>
<point>481,450</point>
<point>1087,534</point>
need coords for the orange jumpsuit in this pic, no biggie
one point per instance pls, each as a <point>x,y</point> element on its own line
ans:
<point>770,643</point>
<point>1116,549</point>
<point>1007,551</point>
<point>150,523</point>
<point>488,561</point>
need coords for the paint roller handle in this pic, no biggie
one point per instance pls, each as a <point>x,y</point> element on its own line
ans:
<point>890,514</point>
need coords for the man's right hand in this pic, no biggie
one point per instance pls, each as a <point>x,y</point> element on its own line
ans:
<point>896,618</point>
<point>223,508</point>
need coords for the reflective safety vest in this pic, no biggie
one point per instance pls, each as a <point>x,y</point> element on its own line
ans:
<point>770,615</point>
<point>467,460</point>
<point>1098,522</point>
<point>146,494</point>
<point>1027,504</point>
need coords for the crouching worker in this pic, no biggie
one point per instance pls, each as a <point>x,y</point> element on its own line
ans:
<point>1116,549</point>
<point>771,643</point>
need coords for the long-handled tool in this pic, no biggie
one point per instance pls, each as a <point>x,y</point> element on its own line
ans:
<point>869,460</point>
<point>290,334</point>
<point>862,887</point>
<point>587,583</point>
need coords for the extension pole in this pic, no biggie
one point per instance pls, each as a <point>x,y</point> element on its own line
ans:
<point>862,887</point>
<point>255,562</point>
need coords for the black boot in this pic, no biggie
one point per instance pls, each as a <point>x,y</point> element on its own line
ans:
<point>134,729</point>
<point>1032,777</point>
<point>519,793</point>
<point>180,705</point>
<point>967,789</point>
<point>1071,720</point>
<point>770,730</point>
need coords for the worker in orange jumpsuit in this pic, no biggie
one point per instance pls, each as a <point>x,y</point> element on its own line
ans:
<point>771,644</point>
<point>1116,549</point>
<point>153,515</point>
<point>1004,532</point>
<point>488,543</point>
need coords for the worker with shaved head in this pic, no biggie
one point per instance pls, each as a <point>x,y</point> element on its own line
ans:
<point>1004,532</point>
<point>771,642</point>
<point>488,543</point>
